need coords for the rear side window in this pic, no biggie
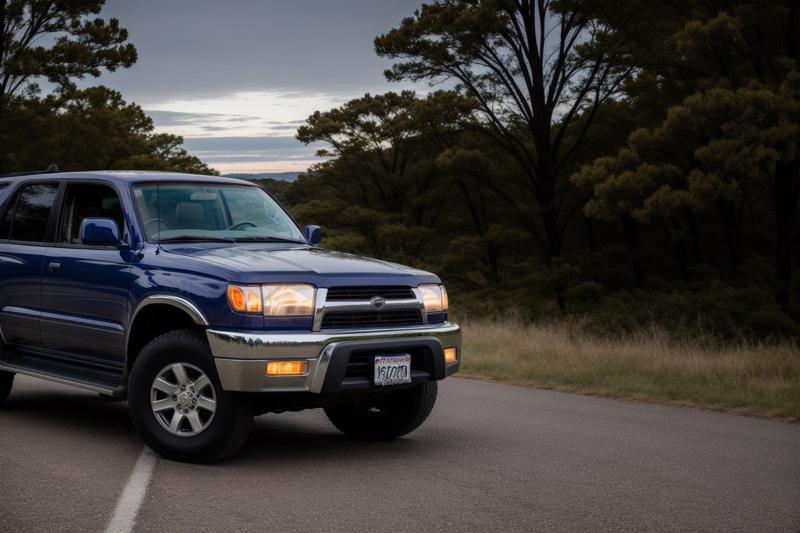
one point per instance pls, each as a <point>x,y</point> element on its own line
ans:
<point>26,219</point>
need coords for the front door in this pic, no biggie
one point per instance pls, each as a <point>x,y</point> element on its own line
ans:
<point>85,288</point>
<point>23,231</point>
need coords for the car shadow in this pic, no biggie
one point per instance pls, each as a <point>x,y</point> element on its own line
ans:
<point>81,412</point>
<point>284,438</point>
<point>280,438</point>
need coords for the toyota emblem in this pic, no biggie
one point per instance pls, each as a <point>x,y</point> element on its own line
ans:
<point>377,302</point>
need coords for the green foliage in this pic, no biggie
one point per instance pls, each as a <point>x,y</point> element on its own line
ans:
<point>61,41</point>
<point>536,78</point>
<point>675,137</point>
<point>88,130</point>
<point>57,40</point>
<point>717,311</point>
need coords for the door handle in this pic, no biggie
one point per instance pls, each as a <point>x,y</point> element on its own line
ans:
<point>54,268</point>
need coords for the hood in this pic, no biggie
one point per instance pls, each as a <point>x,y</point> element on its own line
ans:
<point>269,263</point>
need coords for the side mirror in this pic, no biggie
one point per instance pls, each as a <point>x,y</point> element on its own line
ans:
<point>100,232</point>
<point>313,234</point>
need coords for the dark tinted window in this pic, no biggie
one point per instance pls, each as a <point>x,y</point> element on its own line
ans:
<point>85,201</point>
<point>26,219</point>
<point>5,223</point>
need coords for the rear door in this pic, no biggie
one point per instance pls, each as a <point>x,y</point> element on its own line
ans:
<point>24,225</point>
<point>85,288</point>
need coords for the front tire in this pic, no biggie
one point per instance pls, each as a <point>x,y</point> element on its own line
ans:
<point>6,382</point>
<point>389,417</point>
<point>177,403</point>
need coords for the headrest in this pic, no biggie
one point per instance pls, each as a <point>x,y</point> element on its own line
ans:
<point>189,212</point>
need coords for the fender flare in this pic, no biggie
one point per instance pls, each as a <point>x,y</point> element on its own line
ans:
<point>178,302</point>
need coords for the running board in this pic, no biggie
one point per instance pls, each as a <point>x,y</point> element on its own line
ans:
<point>59,379</point>
<point>35,365</point>
<point>95,387</point>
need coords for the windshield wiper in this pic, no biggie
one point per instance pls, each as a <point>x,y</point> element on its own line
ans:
<point>269,239</point>
<point>195,238</point>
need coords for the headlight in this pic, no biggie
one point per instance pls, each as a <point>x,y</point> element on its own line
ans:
<point>434,297</point>
<point>288,300</point>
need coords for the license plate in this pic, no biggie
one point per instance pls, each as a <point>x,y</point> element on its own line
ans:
<point>392,369</point>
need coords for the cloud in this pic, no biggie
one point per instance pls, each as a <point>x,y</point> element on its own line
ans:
<point>176,118</point>
<point>265,166</point>
<point>253,154</point>
<point>246,113</point>
<point>207,48</point>
<point>237,78</point>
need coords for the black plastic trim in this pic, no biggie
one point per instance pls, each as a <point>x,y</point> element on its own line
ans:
<point>337,368</point>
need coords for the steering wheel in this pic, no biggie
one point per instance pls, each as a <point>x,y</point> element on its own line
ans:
<point>242,225</point>
<point>162,223</point>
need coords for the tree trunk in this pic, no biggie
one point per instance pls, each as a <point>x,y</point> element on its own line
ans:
<point>590,237</point>
<point>631,232</point>
<point>545,192</point>
<point>694,237</point>
<point>677,249</point>
<point>787,194</point>
<point>730,223</point>
<point>552,233</point>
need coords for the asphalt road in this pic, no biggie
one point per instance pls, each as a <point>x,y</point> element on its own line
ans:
<point>490,458</point>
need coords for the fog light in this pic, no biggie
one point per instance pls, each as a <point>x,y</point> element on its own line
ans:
<point>287,368</point>
<point>450,355</point>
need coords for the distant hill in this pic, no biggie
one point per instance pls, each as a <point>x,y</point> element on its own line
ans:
<point>280,176</point>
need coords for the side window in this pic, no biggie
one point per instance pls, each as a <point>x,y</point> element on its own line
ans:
<point>3,194</point>
<point>87,200</point>
<point>5,222</point>
<point>26,219</point>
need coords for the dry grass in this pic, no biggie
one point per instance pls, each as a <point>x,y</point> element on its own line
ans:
<point>749,379</point>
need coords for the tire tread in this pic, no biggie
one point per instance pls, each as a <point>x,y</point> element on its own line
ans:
<point>386,428</point>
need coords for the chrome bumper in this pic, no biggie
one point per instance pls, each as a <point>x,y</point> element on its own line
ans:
<point>241,357</point>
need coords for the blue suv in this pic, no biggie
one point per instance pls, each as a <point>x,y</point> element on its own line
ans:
<point>200,300</point>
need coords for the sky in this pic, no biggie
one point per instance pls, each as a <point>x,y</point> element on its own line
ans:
<point>235,78</point>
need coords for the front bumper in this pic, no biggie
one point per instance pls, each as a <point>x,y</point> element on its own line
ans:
<point>241,357</point>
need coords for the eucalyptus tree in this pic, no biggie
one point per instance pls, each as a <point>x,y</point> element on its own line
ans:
<point>57,41</point>
<point>727,78</point>
<point>522,62</point>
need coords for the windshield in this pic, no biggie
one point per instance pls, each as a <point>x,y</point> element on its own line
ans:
<point>203,212</point>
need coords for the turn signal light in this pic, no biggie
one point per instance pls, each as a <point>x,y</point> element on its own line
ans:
<point>450,355</point>
<point>245,299</point>
<point>287,368</point>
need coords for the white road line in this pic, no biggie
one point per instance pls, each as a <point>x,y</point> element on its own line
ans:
<point>133,494</point>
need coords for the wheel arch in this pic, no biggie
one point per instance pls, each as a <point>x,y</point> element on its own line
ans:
<point>157,314</point>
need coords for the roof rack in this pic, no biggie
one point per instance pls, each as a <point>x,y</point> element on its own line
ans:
<point>52,169</point>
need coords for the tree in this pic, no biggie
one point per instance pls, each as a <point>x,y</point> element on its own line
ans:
<point>57,40</point>
<point>520,62</point>
<point>729,142</point>
<point>92,128</point>
<point>384,171</point>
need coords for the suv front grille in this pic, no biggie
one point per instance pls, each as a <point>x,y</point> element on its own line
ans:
<point>371,319</point>
<point>339,294</point>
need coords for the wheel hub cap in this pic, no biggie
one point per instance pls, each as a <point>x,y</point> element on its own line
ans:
<point>185,400</point>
